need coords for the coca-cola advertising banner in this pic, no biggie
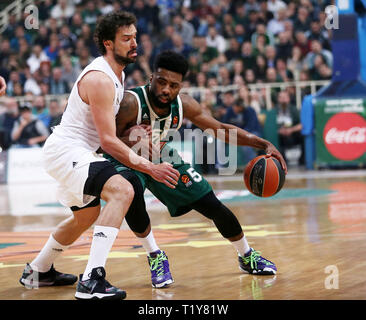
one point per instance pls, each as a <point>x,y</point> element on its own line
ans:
<point>340,131</point>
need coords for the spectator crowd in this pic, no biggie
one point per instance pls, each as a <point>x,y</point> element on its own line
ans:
<point>226,42</point>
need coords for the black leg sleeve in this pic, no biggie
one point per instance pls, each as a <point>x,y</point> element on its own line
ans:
<point>137,217</point>
<point>212,208</point>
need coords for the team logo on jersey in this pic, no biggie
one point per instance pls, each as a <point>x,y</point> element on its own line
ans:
<point>185,179</point>
<point>175,122</point>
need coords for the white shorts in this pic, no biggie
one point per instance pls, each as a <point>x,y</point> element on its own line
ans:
<point>69,165</point>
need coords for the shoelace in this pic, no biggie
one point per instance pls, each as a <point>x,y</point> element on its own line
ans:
<point>156,264</point>
<point>253,258</point>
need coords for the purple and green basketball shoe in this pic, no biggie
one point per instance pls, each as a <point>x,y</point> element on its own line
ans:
<point>159,267</point>
<point>254,263</point>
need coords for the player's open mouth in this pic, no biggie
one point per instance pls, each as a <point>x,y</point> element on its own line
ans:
<point>133,53</point>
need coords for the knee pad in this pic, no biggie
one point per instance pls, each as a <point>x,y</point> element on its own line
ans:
<point>137,217</point>
<point>212,208</point>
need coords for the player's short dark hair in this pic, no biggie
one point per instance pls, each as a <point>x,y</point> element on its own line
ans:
<point>171,61</point>
<point>108,25</point>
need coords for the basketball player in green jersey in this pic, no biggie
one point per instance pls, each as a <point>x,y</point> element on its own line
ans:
<point>157,108</point>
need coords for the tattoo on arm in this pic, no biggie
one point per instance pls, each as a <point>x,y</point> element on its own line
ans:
<point>127,113</point>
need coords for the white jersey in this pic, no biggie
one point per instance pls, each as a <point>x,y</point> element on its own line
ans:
<point>77,126</point>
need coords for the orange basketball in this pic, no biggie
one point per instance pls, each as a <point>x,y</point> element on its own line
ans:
<point>264,176</point>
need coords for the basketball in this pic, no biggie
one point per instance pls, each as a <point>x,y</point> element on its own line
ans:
<point>264,176</point>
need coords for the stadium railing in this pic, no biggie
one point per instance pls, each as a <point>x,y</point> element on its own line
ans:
<point>298,86</point>
<point>313,85</point>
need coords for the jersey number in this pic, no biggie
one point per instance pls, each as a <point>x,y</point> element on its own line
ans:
<point>195,175</point>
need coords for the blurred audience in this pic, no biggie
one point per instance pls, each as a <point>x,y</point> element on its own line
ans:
<point>55,114</point>
<point>7,120</point>
<point>226,42</point>
<point>289,126</point>
<point>242,115</point>
<point>40,110</point>
<point>28,131</point>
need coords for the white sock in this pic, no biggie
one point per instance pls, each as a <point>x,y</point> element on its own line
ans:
<point>241,246</point>
<point>51,250</point>
<point>149,243</point>
<point>103,239</point>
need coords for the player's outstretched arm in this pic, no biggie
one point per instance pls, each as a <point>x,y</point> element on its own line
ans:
<point>193,111</point>
<point>97,89</point>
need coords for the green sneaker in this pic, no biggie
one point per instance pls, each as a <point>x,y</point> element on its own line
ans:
<point>254,263</point>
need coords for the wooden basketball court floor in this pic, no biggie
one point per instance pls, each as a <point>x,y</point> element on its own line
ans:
<point>314,230</point>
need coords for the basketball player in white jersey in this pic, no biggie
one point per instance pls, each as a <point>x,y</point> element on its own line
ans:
<point>84,177</point>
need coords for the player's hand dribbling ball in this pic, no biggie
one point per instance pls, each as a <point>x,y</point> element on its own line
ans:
<point>264,176</point>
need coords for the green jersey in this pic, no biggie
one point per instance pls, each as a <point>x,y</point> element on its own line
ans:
<point>146,115</point>
<point>191,185</point>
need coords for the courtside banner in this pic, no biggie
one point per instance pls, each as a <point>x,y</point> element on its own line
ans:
<point>25,165</point>
<point>340,132</point>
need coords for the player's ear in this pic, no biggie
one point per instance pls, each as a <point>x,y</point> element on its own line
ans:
<point>108,44</point>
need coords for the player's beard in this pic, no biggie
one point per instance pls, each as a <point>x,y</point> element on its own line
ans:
<point>157,103</point>
<point>123,60</point>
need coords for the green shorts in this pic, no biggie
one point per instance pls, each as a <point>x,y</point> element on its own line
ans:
<point>191,186</point>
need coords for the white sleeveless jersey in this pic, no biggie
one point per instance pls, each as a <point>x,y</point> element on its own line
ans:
<point>77,125</point>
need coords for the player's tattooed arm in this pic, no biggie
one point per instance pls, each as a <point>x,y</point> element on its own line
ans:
<point>127,130</point>
<point>125,117</point>
<point>127,114</point>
